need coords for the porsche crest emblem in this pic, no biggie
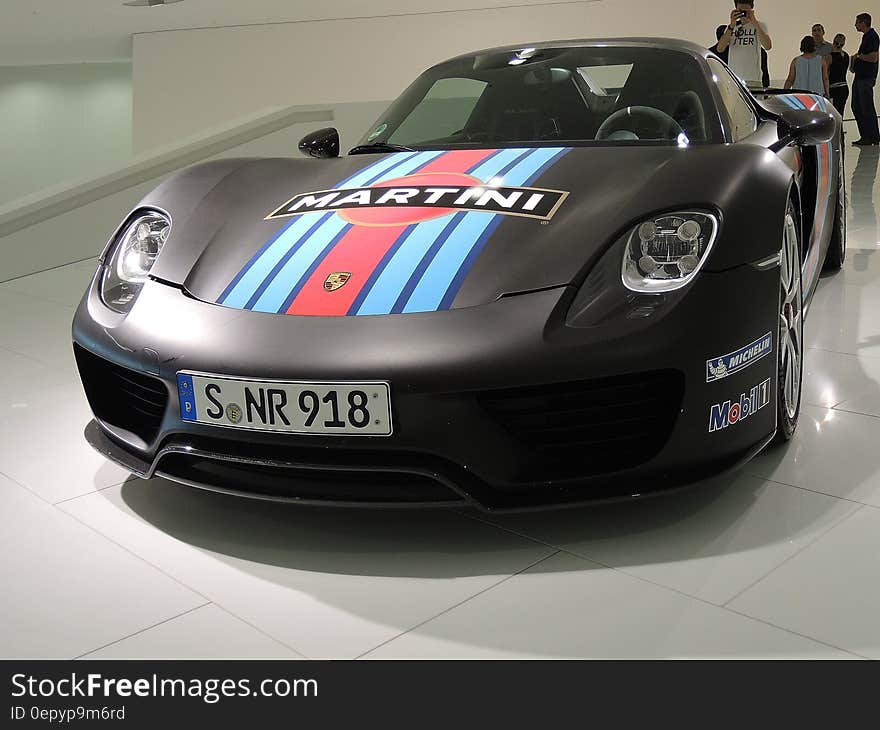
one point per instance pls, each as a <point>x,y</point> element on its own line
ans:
<point>336,280</point>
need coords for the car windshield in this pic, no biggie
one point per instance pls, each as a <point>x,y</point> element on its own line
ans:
<point>577,96</point>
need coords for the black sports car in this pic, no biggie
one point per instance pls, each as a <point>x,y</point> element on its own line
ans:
<point>546,275</point>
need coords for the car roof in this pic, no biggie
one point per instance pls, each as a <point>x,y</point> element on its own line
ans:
<point>673,44</point>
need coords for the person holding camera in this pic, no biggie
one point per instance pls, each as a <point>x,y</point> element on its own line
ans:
<point>744,38</point>
<point>723,55</point>
<point>864,65</point>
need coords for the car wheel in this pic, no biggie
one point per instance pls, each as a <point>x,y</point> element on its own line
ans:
<point>837,245</point>
<point>790,346</point>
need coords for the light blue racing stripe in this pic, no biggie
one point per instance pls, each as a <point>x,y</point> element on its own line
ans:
<point>793,102</point>
<point>260,266</point>
<point>429,291</point>
<point>313,247</point>
<point>390,283</point>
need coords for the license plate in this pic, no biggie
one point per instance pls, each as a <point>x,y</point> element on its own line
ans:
<point>350,409</point>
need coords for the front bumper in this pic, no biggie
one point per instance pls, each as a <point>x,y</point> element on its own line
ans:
<point>502,406</point>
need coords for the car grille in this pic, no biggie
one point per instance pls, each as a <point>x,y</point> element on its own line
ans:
<point>586,428</point>
<point>122,398</point>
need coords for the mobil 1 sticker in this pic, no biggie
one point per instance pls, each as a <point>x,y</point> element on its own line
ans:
<point>720,367</point>
<point>730,412</point>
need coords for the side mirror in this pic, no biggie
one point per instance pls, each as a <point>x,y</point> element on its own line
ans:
<point>322,144</point>
<point>808,128</point>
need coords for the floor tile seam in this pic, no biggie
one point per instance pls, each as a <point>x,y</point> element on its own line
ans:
<point>624,571</point>
<point>131,552</point>
<point>795,554</point>
<point>793,632</point>
<point>261,631</point>
<point>97,490</point>
<point>51,268</point>
<point>848,410</point>
<point>458,604</point>
<point>85,655</point>
<point>12,351</point>
<point>617,569</point>
<point>54,366</point>
<point>16,293</point>
<point>26,488</point>
<point>487,520</point>
<point>805,489</point>
<point>840,352</point>
<point>177,580</point>
<point>722,607</point>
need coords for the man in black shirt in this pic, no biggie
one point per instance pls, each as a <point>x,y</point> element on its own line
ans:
<point>864,65</point>
<point>723,55</point>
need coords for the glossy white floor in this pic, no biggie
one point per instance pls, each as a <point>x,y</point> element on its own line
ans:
<point>779,560</point>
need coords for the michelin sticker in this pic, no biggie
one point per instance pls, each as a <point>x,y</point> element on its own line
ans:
<point>729,413</point>
<point>720,367</point>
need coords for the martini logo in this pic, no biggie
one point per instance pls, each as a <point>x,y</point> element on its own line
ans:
<point>336,280</point>
<point>730,413</point>
<point>416,198</point>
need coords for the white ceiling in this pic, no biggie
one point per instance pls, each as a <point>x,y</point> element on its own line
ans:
<point>64,31</point>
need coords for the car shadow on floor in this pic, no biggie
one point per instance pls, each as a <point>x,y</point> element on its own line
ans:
<point>408,542</point>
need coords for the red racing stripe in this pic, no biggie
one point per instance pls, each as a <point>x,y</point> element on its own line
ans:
<point>824,185</point>
<point>358,252</point>
<point>808,101</point>
<point>456,161</point>
<point>361,249</point>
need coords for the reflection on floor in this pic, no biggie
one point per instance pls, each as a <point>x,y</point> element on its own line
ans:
<point>779,560</point>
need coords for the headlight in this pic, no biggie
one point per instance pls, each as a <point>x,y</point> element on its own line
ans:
<point>666,252</point>
<point>132,257</point>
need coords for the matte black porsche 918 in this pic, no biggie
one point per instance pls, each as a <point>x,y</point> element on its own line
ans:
<point>546,275</point>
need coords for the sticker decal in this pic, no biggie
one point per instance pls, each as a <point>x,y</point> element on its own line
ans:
<point>426,198</point>
<point>720,367</point>
<point>377,131</point>
<point>408,227</point>
<point>722,415</point>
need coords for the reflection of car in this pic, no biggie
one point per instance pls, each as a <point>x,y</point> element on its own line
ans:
<point>546,275</point>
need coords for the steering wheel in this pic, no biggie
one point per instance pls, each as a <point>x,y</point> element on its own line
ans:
<point>624,119</point>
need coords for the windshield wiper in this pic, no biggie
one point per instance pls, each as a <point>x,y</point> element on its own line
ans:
<point>364,149</point>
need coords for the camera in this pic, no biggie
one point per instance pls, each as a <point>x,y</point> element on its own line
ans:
<point>740,16</point>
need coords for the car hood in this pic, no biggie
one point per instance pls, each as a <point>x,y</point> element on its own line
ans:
<point>419,231</point>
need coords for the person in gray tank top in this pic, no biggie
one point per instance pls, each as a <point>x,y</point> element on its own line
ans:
<point>809,71</point>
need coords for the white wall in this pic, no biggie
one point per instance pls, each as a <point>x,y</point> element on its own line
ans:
<point>207,76</point>
<point>72,223</point>
<point>62,122</point>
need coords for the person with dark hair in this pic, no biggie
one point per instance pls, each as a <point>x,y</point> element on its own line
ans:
<point>765,70</point>
<point>823,47</point>
<point>808,72</point>
<point>864,65</point>
<point>837,68</point>
<point>745,36</point>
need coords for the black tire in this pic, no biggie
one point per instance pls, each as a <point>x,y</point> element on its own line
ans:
<point>836,253</point>
<point>790,338</point>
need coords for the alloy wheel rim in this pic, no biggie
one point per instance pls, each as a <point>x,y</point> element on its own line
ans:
<point>790,319</point>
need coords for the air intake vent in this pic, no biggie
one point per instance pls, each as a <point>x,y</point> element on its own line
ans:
<point>589,427</point>
<point>120,397</point>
